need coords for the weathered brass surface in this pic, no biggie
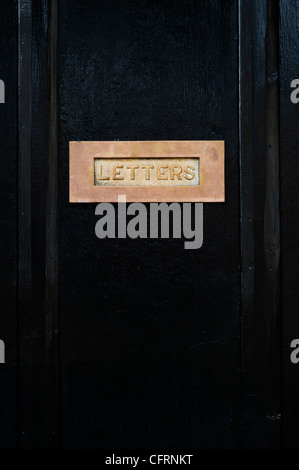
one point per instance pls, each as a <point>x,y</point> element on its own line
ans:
<point>147,171</point>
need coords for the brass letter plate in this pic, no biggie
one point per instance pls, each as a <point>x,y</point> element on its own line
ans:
<point>148,171</point>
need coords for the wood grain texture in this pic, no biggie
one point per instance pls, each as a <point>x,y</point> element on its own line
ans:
<point>252,392</point>
<point>289,43</point>
<point>138,343</point>
<point>149,332</point>
<point>52,359</point>
<point>259,196</point>
<point>8,225</point>
<point>26,357</point>
<point>272,228</point>
<point>38,354</point>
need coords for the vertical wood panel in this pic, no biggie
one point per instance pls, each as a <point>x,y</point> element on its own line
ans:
<point>149,332</point>
<point>289,119</point>
<point>8,224</point>
<point>121,298</point>
<point>26,387</point>
<point>52,360</point>
<point>259,195</point>
<point>38,329</point>
<point>250,436</point>
<point>272,227</point>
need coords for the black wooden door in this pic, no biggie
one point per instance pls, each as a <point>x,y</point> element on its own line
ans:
<point>149,331</point>
<point>140,344</point>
